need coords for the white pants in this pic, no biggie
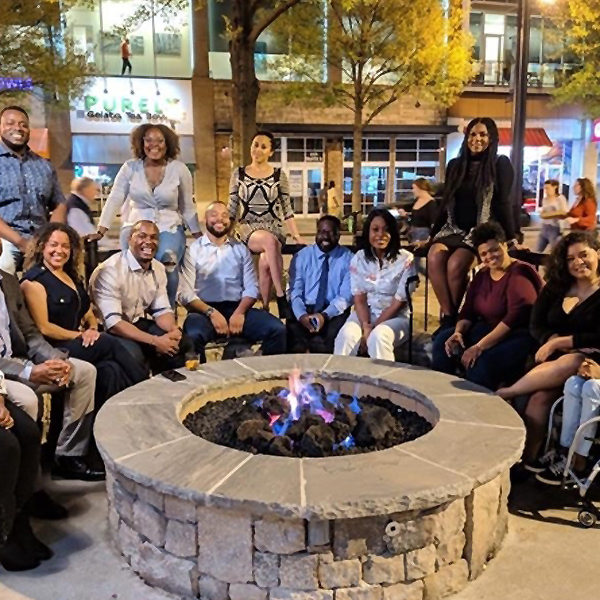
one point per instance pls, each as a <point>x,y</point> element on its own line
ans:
<point>381,343</point>
<point>581,403</point>
<point>23,396</point>
<point>7,261</point>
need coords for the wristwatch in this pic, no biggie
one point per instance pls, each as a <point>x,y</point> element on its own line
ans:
<point>209,312</point>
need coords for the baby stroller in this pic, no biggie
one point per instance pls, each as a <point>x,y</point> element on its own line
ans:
<point>588,513</point>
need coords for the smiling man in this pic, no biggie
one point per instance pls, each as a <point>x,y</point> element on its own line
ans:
<point>129,291</point>
<point>218,287</point>
<point>320,292</point>
<point>29,192</point>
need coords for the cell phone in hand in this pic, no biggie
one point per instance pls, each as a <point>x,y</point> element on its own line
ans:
<point>173,375</point>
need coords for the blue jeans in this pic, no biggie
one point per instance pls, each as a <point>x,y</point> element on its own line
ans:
<point>171,248</point>
<point>549,235</point>
<point>581,403</point>
<point>259,325</point>
<point>501,364</point>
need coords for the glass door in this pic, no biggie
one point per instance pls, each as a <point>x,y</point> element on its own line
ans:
<point>306,184</point>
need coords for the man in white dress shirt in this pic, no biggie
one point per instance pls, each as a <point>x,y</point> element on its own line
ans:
<point>218,287</point>
<point>129,293</point>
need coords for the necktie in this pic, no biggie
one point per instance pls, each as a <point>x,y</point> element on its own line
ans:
<point>321,301</point>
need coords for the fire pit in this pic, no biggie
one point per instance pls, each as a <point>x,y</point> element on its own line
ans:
<point>414,521</point>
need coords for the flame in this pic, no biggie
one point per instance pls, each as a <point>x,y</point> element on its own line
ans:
<point>295,386</point>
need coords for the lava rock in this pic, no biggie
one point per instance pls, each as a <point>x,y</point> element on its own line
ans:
<point>317,441</point>
<point>373,425</point>
<point>281,445</point>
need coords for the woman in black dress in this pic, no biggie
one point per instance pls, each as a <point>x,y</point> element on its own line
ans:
<point>477,189</point>
<point>60,307</point>
<point>565,321</point>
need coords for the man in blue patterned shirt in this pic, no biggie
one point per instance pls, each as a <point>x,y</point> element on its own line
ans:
<point>29,189</point>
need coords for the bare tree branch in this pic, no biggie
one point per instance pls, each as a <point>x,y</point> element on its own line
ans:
<point>270,18</point>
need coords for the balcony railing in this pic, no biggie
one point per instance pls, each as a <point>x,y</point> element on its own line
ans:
<point>540,75</point>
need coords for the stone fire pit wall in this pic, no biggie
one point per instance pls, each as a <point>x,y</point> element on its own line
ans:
<point>414,522</point>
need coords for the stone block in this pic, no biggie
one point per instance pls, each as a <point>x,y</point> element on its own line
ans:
<point>280,536</point>
<point>181,538</point>
<point>113,520</point>
<point>126,483</point>
<point>319,533</point>
<point>404,591</point>
<point>340,573</point>
<point>225,544</point>
<point>483,508</point>
<point>299,572</point>
<point>420,563</point>
<point>182,510</point>
<point>246,591</point>
<point>122,502</point>
<point>158,568</point>
<point>353,538</point>
<point>451,550</point>
<point>382,569</point>
<point>446,581</point>
<point>149,523</point>
<point>285,594</point>
<point>152,497</point>
<point>365,592</point>
<point>266,569</point>
<point>129,541</point>
<point>212,589</point>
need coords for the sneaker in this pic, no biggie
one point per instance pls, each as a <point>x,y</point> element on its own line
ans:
<point>542,463</point>
<point>553,475</point>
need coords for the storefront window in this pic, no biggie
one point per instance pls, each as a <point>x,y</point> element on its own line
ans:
<point>373,149</point>
<point>373,188</point>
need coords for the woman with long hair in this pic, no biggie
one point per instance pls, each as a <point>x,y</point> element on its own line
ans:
<point>553,203</point>
<point>155,186</point>
<point>477,189</point>
<point>582,215</point>
<point>378,274</point>
<point>565,322</point>
<point>259,201</point>
<point>60,307</point>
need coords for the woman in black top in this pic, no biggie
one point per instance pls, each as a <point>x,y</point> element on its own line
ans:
<point>60,307</point>
<point>566,322</point>
<point>477,190</point>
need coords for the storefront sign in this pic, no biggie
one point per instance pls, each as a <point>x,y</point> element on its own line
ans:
<point>596,130</point>
<point>117,105</point>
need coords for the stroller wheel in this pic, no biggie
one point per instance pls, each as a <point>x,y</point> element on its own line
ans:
<point>587,518</point>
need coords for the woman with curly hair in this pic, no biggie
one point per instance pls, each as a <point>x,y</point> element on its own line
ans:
<point>565,322</point>
<point>155,186</point>
<point>60,306</point>
<point>477,190</point>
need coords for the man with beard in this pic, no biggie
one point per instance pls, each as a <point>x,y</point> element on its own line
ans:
<point>320,292</point>
<point>29,190</point>
<point>218,287</point>
<point>129,291</point>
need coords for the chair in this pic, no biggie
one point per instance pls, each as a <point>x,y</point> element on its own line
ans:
<point>412,279</point>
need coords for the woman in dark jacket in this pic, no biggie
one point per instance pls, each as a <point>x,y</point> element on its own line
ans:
<point>477,190</point>
<point>565,321</point>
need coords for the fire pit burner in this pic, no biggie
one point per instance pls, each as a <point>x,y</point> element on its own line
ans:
<point>306,420</point>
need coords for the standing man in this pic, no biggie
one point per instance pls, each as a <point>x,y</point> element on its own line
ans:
<point>219,288</point>
<point>29,190</point>
<point>332,201</point>
<point>125,54</point>
<point>129,292</point>
<point>320,291</point>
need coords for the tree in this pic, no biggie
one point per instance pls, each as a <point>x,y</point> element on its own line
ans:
<point>36,52</point>
<point>583,83</point>
<point>249,19</point>
<point>385,49</point>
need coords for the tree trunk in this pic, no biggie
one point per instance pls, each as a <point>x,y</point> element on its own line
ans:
<point>357,161</point>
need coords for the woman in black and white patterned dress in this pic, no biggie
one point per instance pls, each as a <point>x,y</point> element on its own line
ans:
<point>259,201</point>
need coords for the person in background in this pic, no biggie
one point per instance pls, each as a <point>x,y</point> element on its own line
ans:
<point>332,198</point>
<point>259,202</point>
<point>564,321</point>
<point>30,195</point>
<point>84,191</point>
<point>129,293</point>
<point>582,215</point>
<point>219,288</point>
<point>379,277</point>
<point>553,203</point>
<point>155,186</point>
<point>320,292</point>
<point>125,56</point>
<point>491,339</point>
<point>477,189</point>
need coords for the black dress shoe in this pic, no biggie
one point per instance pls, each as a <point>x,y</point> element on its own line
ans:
<point>26,539</point>
<point>75,467</point>
<point>13,557</point>
<point>42,506</point>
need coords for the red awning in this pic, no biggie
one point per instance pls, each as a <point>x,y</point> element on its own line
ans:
<point>38,142</point>
<point>534,136</point>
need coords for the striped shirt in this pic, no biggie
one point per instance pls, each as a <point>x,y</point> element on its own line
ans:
<point>29,190</point>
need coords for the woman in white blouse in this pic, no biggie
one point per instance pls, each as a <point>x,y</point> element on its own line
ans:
<point>155,186</point>
<point>378,274</point>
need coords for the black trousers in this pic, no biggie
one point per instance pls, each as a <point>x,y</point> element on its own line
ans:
<point>301,340</point>
<point>147,355</point>
<point>126,65</point>
<point>19,464</point>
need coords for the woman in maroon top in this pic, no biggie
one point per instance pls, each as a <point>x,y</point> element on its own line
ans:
<point>491,339</point>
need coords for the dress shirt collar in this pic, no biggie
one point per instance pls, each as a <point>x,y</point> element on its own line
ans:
<point>332,253</point>
<point>204,241</point>
<point>134,265</point>
<point>6,151</point>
